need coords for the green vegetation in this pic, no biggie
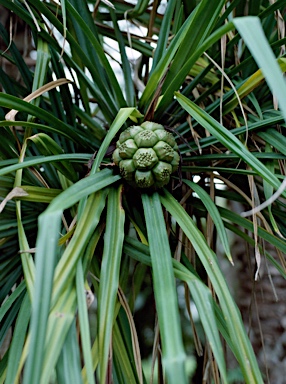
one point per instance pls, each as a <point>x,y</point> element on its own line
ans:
<point>72,228</point>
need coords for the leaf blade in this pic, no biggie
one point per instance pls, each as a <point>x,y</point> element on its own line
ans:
<point>243,350</point>
<point>109,276</point>
<point>165,290</point>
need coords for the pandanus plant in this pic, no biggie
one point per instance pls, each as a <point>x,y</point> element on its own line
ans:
<point>99,196</point>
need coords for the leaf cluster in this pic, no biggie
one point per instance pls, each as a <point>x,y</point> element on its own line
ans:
<point>71,229</point>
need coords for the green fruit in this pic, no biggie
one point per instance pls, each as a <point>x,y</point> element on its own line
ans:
<point>144,179</point>
<point>116,157</point>
<point>165,136</point>
<point>127,169</point>
<point>145,158</point>
<point>152,126</point>
<point>162,172</point>
<point>164,151</point>
<point>127,149</point>
<point>130,133</point>
<point>147,155</point>
<point>146,139</point>
<point>175,162</point>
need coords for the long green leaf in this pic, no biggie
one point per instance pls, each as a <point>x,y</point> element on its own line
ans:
<point>26,257</point>
<point>98,50</point>
<point>11,299</point>
<point>243,350</point>
<point>19,336</point>
<point>42,65</point>
<point>60,321</point>
<point>64,294</point>
<point>59,129</point>
<point>38,160</point>
<point>39,194</point>
<point>247,224</point>
<point>276,139</point>
<point>165,290</point>
<point>45,264</point>
<point>199,27</point>
<point>122,361</point>
<point>87,223</point>
<point>201,296</point>
<point>228,139</point>
<point>69,365</point>
<point>83,322</point>
<point>164,33</point>
<point>109,276</point>
<point>126,69</point>
<point>214,213</point>
<point>251,31</point>
<point>13,102</point>
<point>251,241</point>
<point>208,141</point>
<point>162,66</point>
<point>7,322</point>
<point>47,146</point>
<point>249,85</point>
<point>47,243</point>
<point>81,189</point>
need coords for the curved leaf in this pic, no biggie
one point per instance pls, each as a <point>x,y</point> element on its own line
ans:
<point>214,213</point>
<point>242,347</point>
<point>165,290</point>
<point>228,139</point>
<point>109,276</point>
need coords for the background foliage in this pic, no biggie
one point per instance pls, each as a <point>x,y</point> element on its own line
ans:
<point>99,282</point>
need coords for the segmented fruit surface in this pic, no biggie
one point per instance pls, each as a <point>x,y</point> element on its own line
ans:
<point>146,155</point>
